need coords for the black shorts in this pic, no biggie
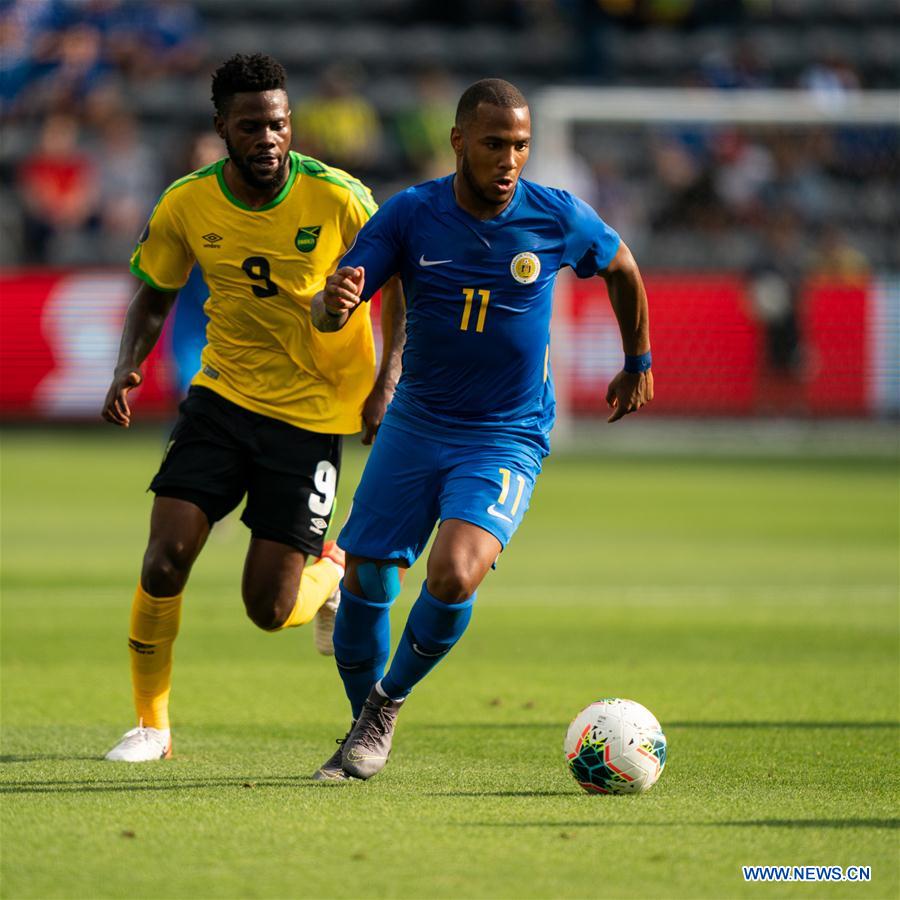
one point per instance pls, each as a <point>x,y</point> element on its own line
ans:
<point>219,451</point>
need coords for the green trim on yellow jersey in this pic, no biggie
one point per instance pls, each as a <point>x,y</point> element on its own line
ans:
<point>193,176</point>
<point>285,190</point>
<point>317,169</point>
<point>138,272</point>
<point>135,267</point>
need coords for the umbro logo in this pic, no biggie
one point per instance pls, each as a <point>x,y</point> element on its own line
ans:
<point>318,526</point>
<point>212,239</point>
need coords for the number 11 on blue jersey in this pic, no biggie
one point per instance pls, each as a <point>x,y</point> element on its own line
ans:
<point>469,294</point>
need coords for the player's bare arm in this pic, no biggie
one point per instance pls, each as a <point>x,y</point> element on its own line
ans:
<point>629,391</point>
<point>342,293</point>
<point>393,336</point>
<point>143,325</point>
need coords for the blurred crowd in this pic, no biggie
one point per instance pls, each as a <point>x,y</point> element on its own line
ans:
<point>696,196</point>
<point>78,176</point>
<point>104,102</point>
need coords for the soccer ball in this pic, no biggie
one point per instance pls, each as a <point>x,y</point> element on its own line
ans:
<point>615,746</point>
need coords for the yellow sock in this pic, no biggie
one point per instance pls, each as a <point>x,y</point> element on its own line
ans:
<point>318,583</point>
<point>154,625</point>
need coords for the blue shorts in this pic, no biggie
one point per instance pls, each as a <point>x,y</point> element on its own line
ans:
<point>411,481</point>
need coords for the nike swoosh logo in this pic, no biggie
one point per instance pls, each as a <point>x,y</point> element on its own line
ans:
<point>427,655</point>
<point>498,515</point>
<point>432,262</point>
<point>356,756</point>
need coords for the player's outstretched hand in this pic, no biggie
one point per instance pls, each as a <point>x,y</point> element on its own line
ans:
<point>115,407</point>
<point>374,409</point>
<point>628,392</point>
<point>343,290</point>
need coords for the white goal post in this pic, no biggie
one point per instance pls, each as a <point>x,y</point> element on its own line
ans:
<point>556,110</point>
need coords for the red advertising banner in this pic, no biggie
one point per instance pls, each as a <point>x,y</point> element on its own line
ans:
<point>710,353</point>
<point>59,336</point>
<point>838,368</point>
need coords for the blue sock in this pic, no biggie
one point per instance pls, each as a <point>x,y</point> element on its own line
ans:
<point>362,645</point>
<point>431,631</point>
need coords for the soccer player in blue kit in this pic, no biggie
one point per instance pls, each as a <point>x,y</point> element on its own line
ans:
<point>462,442</point>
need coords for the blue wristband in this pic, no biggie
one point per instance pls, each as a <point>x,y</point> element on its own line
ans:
<point>637,364</point>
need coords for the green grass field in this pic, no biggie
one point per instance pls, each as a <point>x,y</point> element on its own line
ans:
<point>752,605</point>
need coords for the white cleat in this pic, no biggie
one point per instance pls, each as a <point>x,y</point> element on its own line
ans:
<point>142,745</point>
<point>323,623</point>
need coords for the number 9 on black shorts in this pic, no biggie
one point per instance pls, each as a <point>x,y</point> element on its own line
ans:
<point>219,451</point>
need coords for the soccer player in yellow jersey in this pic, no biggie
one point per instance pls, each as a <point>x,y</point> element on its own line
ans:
<point>266,413</point>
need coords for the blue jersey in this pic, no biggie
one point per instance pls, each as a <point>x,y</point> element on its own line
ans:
<point>478,301</point>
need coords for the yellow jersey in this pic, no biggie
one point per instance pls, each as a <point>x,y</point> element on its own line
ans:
<point>263,267</point>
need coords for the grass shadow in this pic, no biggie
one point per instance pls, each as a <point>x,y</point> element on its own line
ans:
<point>814,823</point>
<point>792,725</point>
<point>96,786</point>
<point>37,757</point>
<point>502,794</point>
<point>749,823</point>
<point>667,725</point>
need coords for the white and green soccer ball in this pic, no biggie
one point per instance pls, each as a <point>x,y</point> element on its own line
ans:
<point>615,746</point>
